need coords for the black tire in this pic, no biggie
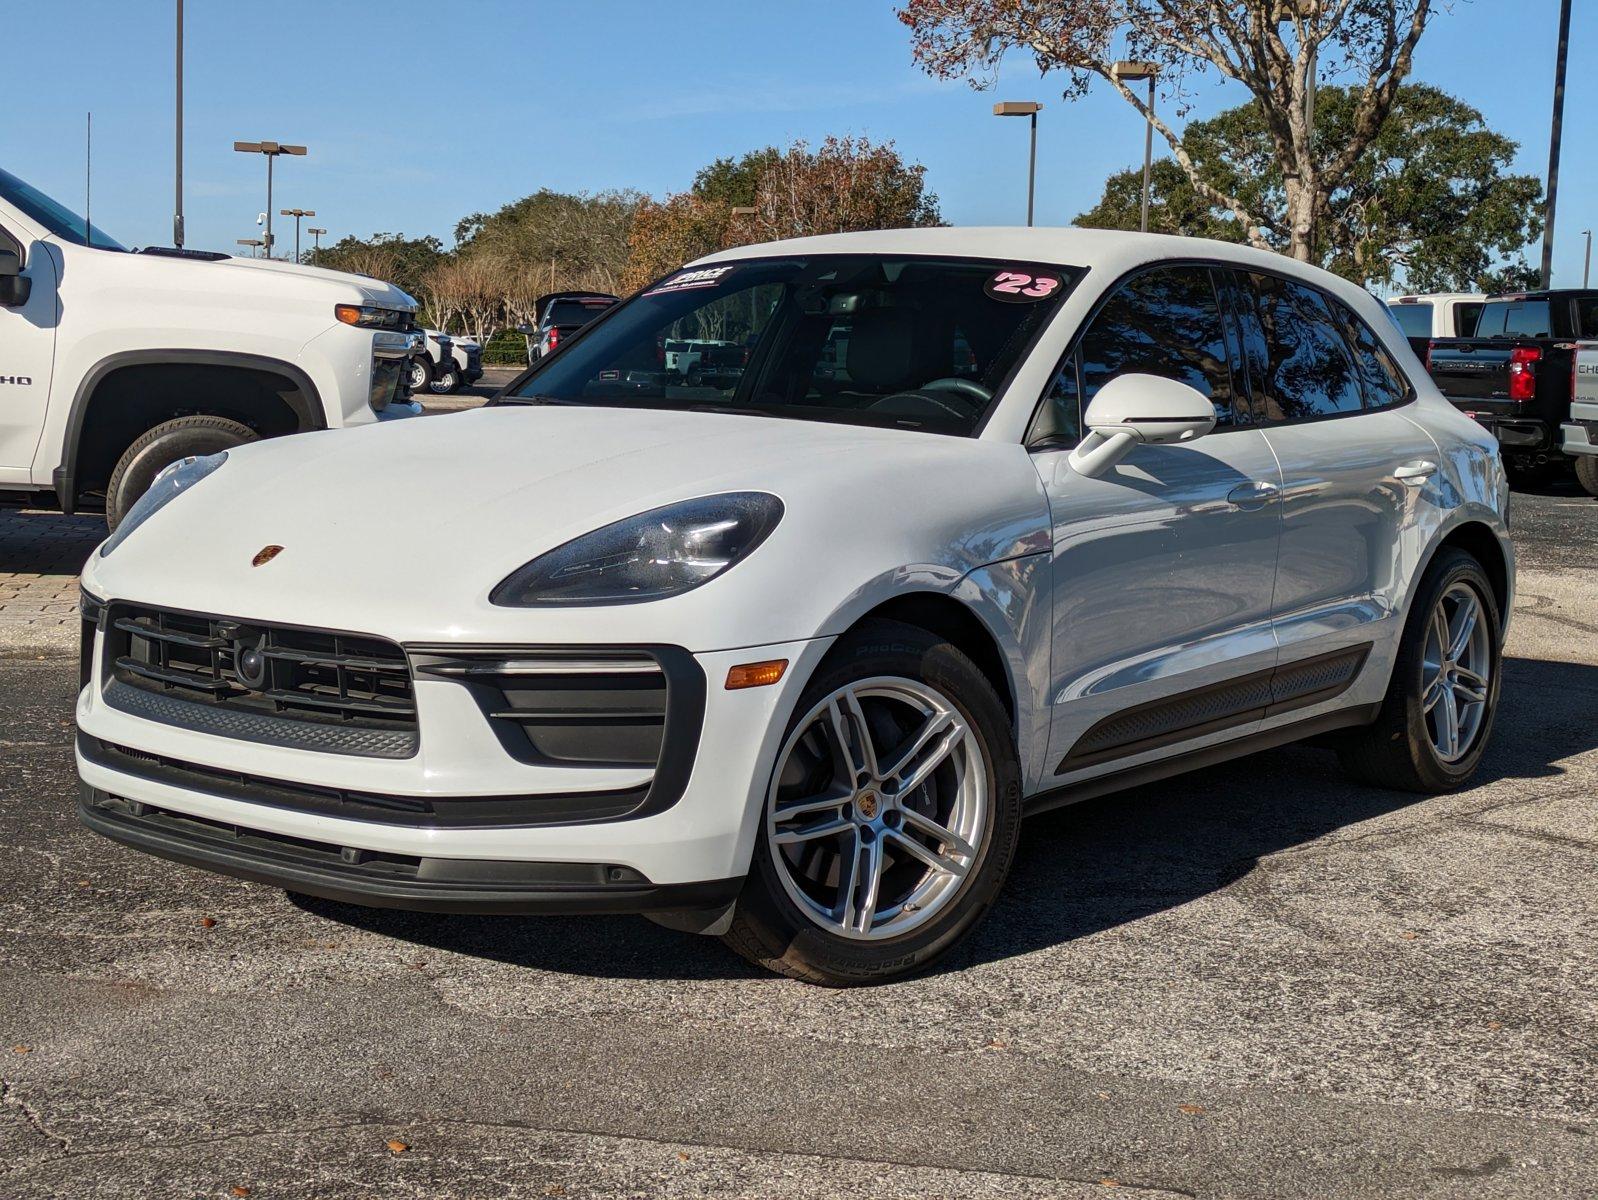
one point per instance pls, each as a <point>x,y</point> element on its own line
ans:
<point>1587,473</point>
<point>445,380</point>
<point>769,929</point>
<point>421,375</point>
<point>158,448</point>
<point>1396,751</point>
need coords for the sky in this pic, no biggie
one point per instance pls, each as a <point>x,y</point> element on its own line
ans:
<point>417,114</point>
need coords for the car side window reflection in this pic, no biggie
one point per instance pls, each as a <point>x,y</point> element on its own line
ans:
<point>1309,371</point>
<point>1380,376</point>
<point>1163,322</point>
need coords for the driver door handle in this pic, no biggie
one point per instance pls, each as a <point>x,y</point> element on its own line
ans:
<point>1256,493</point>
<point>1415,473</point>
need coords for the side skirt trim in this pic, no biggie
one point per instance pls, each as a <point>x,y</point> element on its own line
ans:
<point>1208,756</point>
<point>1217,706</point>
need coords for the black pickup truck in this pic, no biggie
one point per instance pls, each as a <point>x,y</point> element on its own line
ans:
<point>1517,376</point>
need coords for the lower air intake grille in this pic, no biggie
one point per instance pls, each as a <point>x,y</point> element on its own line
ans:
<point>344,685</point>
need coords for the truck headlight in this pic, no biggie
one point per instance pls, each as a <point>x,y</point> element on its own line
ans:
<point>171,483</point>
<point>659,553</point>
<point>369,316</point>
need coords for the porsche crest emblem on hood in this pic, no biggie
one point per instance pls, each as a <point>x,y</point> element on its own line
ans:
<point>265,555</point>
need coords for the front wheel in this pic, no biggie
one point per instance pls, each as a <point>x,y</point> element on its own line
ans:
<point>158,448</point>
<point>1433,727</point>
<point>891,818</point>
<point>445,381</point>
<point>420,375</point>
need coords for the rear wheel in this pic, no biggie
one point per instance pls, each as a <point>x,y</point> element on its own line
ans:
<point>1438,713</point>
<point>159,448</point>
<point>445,380</point>
<point>891,818</point>
<point>1587,473</point>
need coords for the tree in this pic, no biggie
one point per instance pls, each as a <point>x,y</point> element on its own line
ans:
<point>570,241</point>
<point>393,257</point>
<point>1431,198</point>
<point>844,184</point>
<point>1278,49</point>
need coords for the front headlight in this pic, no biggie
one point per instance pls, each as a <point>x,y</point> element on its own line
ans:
<point>171,483</point>
<point>656,554</point>
<point>368,316</point>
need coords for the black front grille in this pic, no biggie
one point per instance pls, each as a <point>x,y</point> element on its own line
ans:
<point>341,680</point>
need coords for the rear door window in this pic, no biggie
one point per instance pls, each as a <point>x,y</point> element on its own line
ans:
<point>1309,370</point>
<point>1384,383</point>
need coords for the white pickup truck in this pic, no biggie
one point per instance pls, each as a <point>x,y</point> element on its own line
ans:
<point>116,363</point>
<point>1581,430</point>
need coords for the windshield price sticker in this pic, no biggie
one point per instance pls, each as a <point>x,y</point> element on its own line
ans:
<point>687,281</point>
<point>1015,286</point>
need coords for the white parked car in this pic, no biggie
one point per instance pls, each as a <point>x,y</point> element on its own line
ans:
<point>115,363</point>
<point>789,663</point>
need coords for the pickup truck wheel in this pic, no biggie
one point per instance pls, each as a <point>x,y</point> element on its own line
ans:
<point>1438,712</point>
<point>162,446</point>
<point>1587,473</point>
<point>446,381</point>
<point>421,375</point>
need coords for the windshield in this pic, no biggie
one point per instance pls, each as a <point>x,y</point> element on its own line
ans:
<point>59,220</point>
<point>918,343</point>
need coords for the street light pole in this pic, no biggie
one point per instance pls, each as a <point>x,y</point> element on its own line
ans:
<point>1131,72</point>
<point>297,213</point>
<point>177,207</point>
<point>1556,135</point>
<point>316,240</point>
<point>1586,270</point>
<point>254,244</point>
<point>1030,109</point>
<point>271,150</point>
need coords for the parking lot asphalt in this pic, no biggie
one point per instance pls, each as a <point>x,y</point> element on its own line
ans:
<point>1259,980</point>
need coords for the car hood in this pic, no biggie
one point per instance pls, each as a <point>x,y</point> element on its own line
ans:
<point>432,513</point>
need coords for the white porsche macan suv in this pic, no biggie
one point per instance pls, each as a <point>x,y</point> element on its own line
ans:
<point>955,525</point>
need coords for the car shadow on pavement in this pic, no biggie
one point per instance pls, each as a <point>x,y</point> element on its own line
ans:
<point>1082,869</point>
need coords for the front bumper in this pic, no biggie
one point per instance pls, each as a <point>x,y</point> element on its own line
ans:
<point>462,797</point>
<point>350,875</point>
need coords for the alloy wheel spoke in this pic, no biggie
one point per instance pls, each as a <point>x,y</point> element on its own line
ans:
<point>870,885</point>
<point>1469,693</point>
<point>1448,725</point>
<point>843,912</point>
<point>849,740</point>
<point>938,862</point>
<point>929,758</point>
<point>951,840</point>
<point>827,801</point>
<point>1440,633</point>
<point>1433,692</point>
<point>934,726</point>
<point>812,831</point>
<point>868,752</point>
<point>1462,627</point>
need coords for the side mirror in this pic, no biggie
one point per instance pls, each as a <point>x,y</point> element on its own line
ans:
<point>526,330</point>
<point>15,287</point>
<point>1133,410</point>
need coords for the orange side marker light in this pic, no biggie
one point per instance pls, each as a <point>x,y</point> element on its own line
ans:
<point>757,674</point>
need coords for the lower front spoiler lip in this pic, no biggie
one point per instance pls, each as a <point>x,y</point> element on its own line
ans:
<point>349,876</point>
